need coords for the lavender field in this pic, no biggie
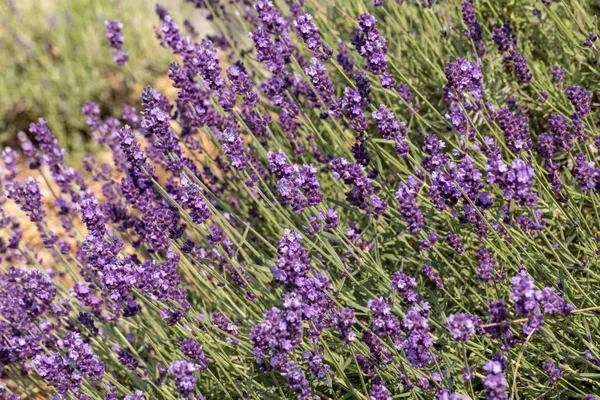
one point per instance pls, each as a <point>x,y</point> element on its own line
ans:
<point>335,199</point>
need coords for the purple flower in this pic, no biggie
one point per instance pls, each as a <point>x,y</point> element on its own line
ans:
<point>504,38</point>
<point>411,214</point>
<point>317,73</point>
<point>266,50</point>
<point>297,186</point>
<point>297,380</point>
<point>387,81</point>
<point>130,114</point>
<point>128,360</point>
<point>233,146</point>
<point>558,74</point>
<point>463,77</point>
<point>418,342</point>
<point>138,395</point>
<point>462,326</point>
<point>518,63</point>
<point>362,193</point>
<point>371,45</point>
<point>25,296</point>
<point>390,129</point>
<point>586,172</point>
<point>293,262</point>
<point>116,39</point>
<point>404,92</point>
<point>276,337</point>
<point>65,370</point>
<point>221,322</point>
<point>498,314</point>
<point>309,33</point>
<point>494,382</point>
<point>580,98</point>
<point>487,268</point>
<point>468,177</point>
<point>344,58</point>
<point>552,302</point>
<point>239,78</point>
<point>526,303</point>
<point>192,199</point>
<point>317,368</point>
<point>342,319</point>
<point>183,373</point>
<point>433,276</point>
<point>515,130</point>
<point>558,126</point>
<point>474,29</point>
<point>330,219</point>
<point>404,285</point>
<point>516,182</point>
<point>590,40</point>
<point>384,323</point>
<point>454,242</point>
<point>193,350</point>
<point>28,197</point>
<point>52,154</point>
<point>554,372</point>
<point>378,390</point>
<point>379,353</point>
<point>352,107</point>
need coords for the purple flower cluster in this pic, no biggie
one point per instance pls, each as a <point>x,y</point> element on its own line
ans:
<point>504,38</point>
<point>28,197</point>
<point>580,98</point>
<point>379,390</point>
<point>342,319</point>
<point>371,45</point>
<point>494,382</point>
<point>515,181</point>
<point>411,214</point>
<point>405,285</point>
<point>487,270</point>
<point>390,129</point>
<point>474,29</point>
<point>297,380</point>
<point>515,130</point>
<point>309,33</point>
<point>317,73</point>
<point>586,172</point>
<point>462,326</point>
<point>418,342</point>
<point>554,372</point>
<point>454,242</point>
<point>233,146</point>
<point>526,302</point>
<point>463,77</point>
<point>433,276</point>
<point>518,64</point>
<point>116,39</point>
<point>193,350</point>
<point>362,193</point>
<point>183,373</point>
<point>65,370</point>
<point>384,323</point>
<point>297,186</point>
<point>177,237</point>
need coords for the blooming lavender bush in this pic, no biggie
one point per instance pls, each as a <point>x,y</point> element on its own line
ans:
<point>414,214</point>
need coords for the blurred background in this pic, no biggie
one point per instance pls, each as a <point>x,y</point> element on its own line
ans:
<point>54,56</point>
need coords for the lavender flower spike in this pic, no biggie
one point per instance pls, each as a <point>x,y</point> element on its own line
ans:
<point>116,39</point>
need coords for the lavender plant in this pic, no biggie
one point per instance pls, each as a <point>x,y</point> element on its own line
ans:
<point>414,214</point>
